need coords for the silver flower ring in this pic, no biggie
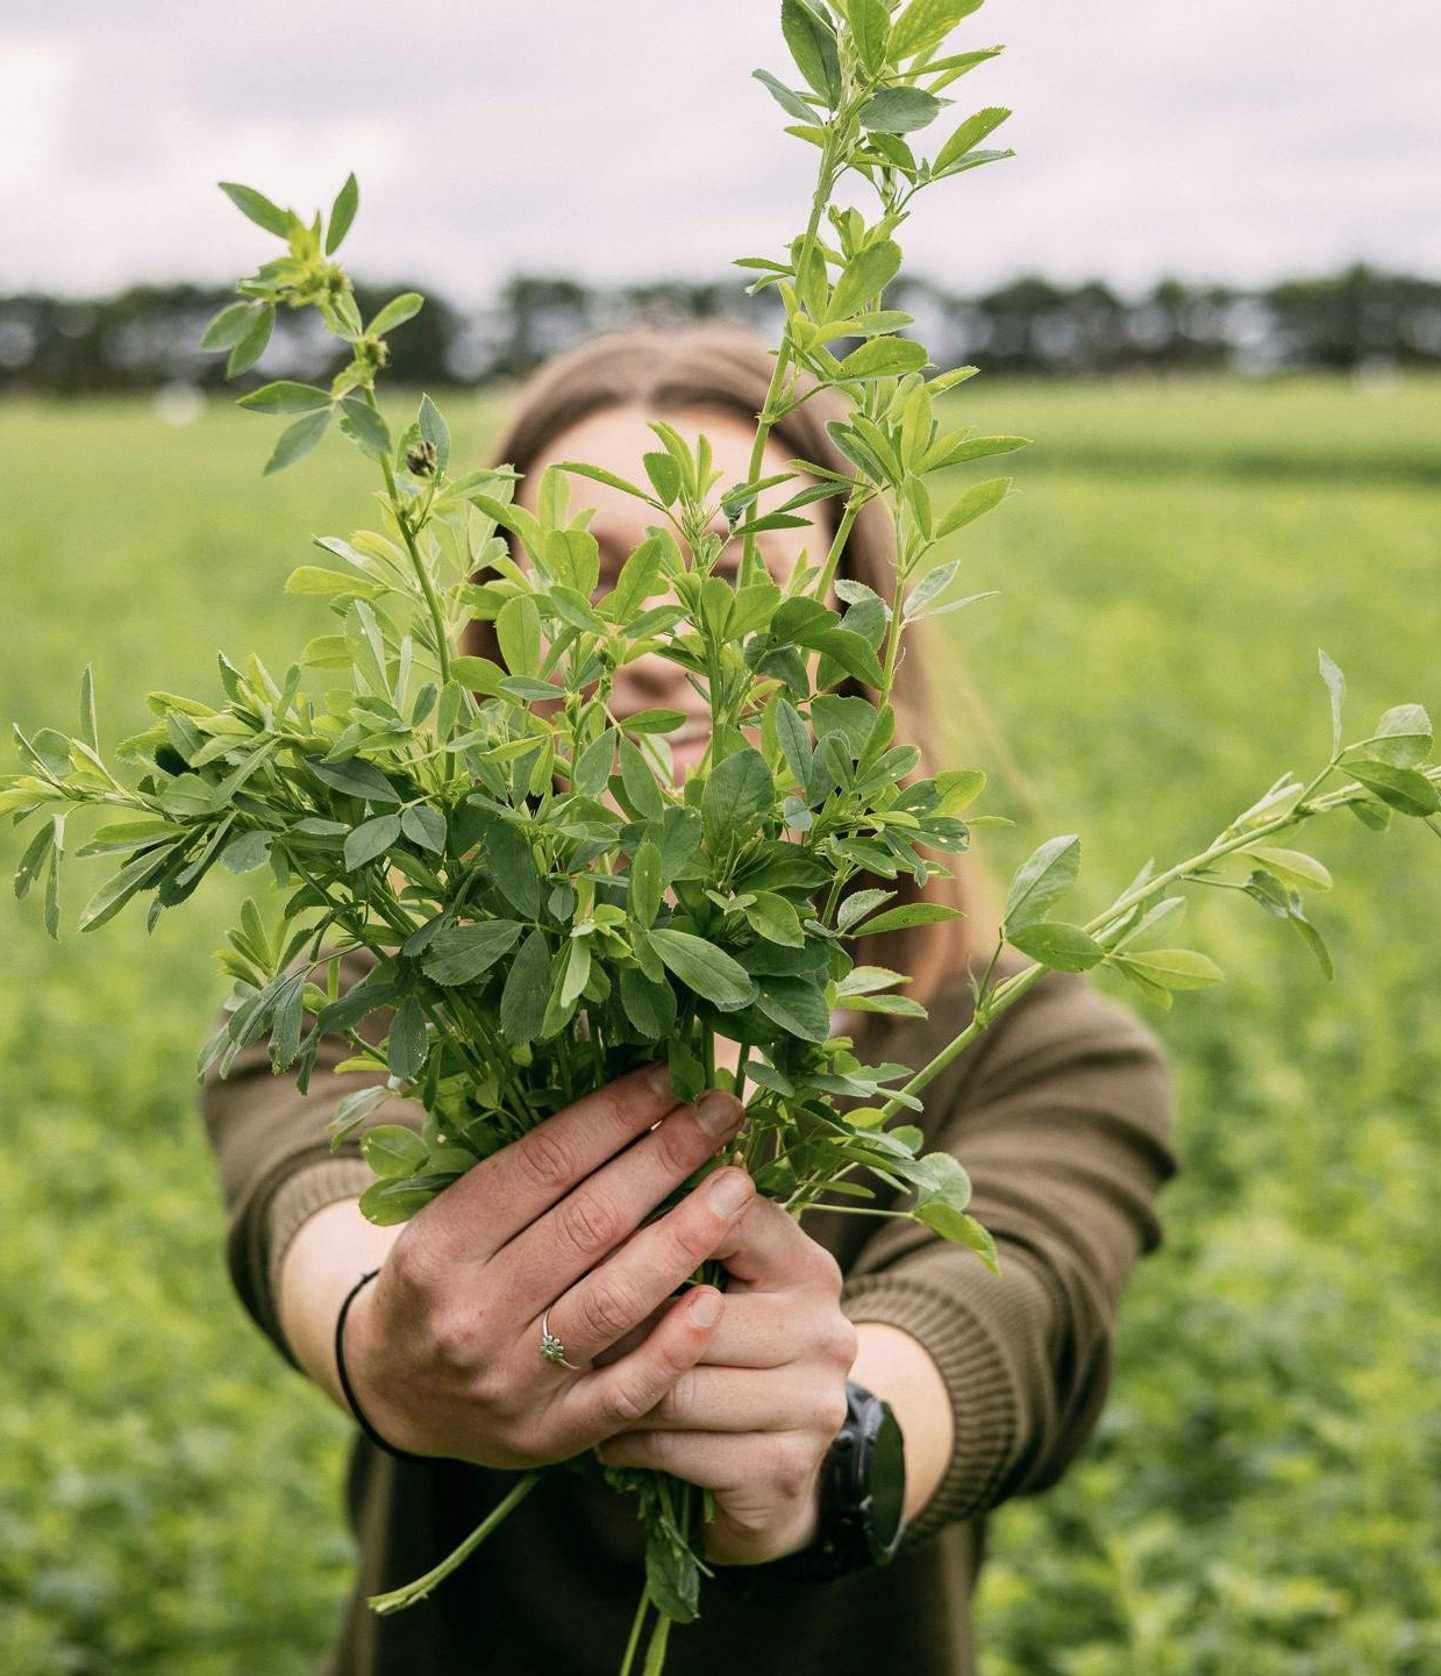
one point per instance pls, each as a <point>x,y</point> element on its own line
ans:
<point>551,1347</point>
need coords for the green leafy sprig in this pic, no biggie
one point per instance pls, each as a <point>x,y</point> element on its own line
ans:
<point>546,904</point>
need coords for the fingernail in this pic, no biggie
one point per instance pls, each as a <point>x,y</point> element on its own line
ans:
<point>729,1190</point>
<point>718,1113</point>
<point>657,1080</point>
<point>705,1308</point>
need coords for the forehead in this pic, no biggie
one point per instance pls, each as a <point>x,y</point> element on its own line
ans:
<point>617,437</point>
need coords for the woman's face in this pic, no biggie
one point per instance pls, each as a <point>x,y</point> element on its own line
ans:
<point>616,438</point>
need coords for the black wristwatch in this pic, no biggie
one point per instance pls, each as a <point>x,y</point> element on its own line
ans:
<point>862,1496</point>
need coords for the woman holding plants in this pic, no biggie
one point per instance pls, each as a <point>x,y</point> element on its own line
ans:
<point>1061,1114</point>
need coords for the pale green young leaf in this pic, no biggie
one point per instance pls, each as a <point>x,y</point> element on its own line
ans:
<point>791,103</point>
<point>1336,686</point>
<point>365,427</point>
<point>1045,876</point>
<point>393,1151</point>
<point>230,325</point>
<point>248,349</point>
<point>968,136</point>
<point>517,627</point>
<point>1173,968</point>
<point>1066,948</point>
<point>395,313</point>
<point>256,207</point>
<point>342,213</point>
<point>1293,867</point>
<point>436,432</point>
<point>296,441</point>
<point>285,396</point>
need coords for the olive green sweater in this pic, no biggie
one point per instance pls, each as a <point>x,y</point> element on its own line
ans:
<point>1061,1111</point>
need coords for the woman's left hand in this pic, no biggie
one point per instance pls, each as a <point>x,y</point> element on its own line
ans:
<point>753,1420</point>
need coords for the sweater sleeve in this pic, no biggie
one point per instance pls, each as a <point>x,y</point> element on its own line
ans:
<point>1062,1114</point>
<point>273,1153</point>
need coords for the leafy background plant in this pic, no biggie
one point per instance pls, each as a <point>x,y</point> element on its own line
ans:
<point>1264,1492</point>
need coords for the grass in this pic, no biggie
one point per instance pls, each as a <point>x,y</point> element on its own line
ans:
<point>1264,1490</point>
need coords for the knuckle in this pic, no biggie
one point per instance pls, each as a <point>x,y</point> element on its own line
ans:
<point>839,1342</point>
<point>827,1271</point>
<point>607,1309</point>
<point>831,1411</point>
<point>587,1223</point>
<point>452,1339</point>
<point>544,1161</point>
<point>793,1463</point>
<point>622,1404</point>
<point>676,1145</point>
<point>680,1399</point>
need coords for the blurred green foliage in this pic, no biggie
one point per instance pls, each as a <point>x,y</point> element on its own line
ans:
<point>1264,1491</point>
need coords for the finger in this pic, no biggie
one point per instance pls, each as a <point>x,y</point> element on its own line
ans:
<point>767,1250</point>
<point>476,1215</point>
<point>616,1297</point>
<point>711,1399</point>
<point>714,1460</point>
<point>757,1331</point>
<point>588,1223</point>
<point>598,1404</point>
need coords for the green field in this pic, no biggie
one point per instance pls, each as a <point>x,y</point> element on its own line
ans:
<point>1264,1493</point>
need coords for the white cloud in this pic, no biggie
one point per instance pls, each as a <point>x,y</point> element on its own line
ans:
<point>1235,140</point>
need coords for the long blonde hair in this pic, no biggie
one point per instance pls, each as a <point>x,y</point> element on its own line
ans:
<point>728,367</point>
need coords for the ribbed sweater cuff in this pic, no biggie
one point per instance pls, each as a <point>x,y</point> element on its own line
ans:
<point>984,1401</point>
<point>313,1185</point>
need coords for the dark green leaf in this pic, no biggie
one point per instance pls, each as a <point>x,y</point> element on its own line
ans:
<point>355,777</point>
<point>425,827</point>
<point>645,884</point>
<point>709,971</point>
<point>393,1151</point>
<point>406,1046</point>
<point>247,852</point>
<point>370,839</point>
<point>462,953</point>
<point>738,795</point>
<point>909,914</point>
<point>813,46</point>
<point>899,110</point>
<point>639,782</point>
<point>526,994</point>
<point>649,1004</point>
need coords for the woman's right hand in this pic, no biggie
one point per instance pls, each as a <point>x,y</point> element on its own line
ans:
<point>443,1348</point>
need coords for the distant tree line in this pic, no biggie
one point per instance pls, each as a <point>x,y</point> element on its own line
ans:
<point>147,336</point>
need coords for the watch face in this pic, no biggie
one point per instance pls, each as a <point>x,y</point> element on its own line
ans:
<point>887,1480</point>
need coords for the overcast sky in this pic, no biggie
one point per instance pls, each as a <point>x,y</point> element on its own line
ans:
<point>1239,139</point>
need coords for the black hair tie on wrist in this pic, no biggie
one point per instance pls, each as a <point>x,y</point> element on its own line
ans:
<point>355,1409</point>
